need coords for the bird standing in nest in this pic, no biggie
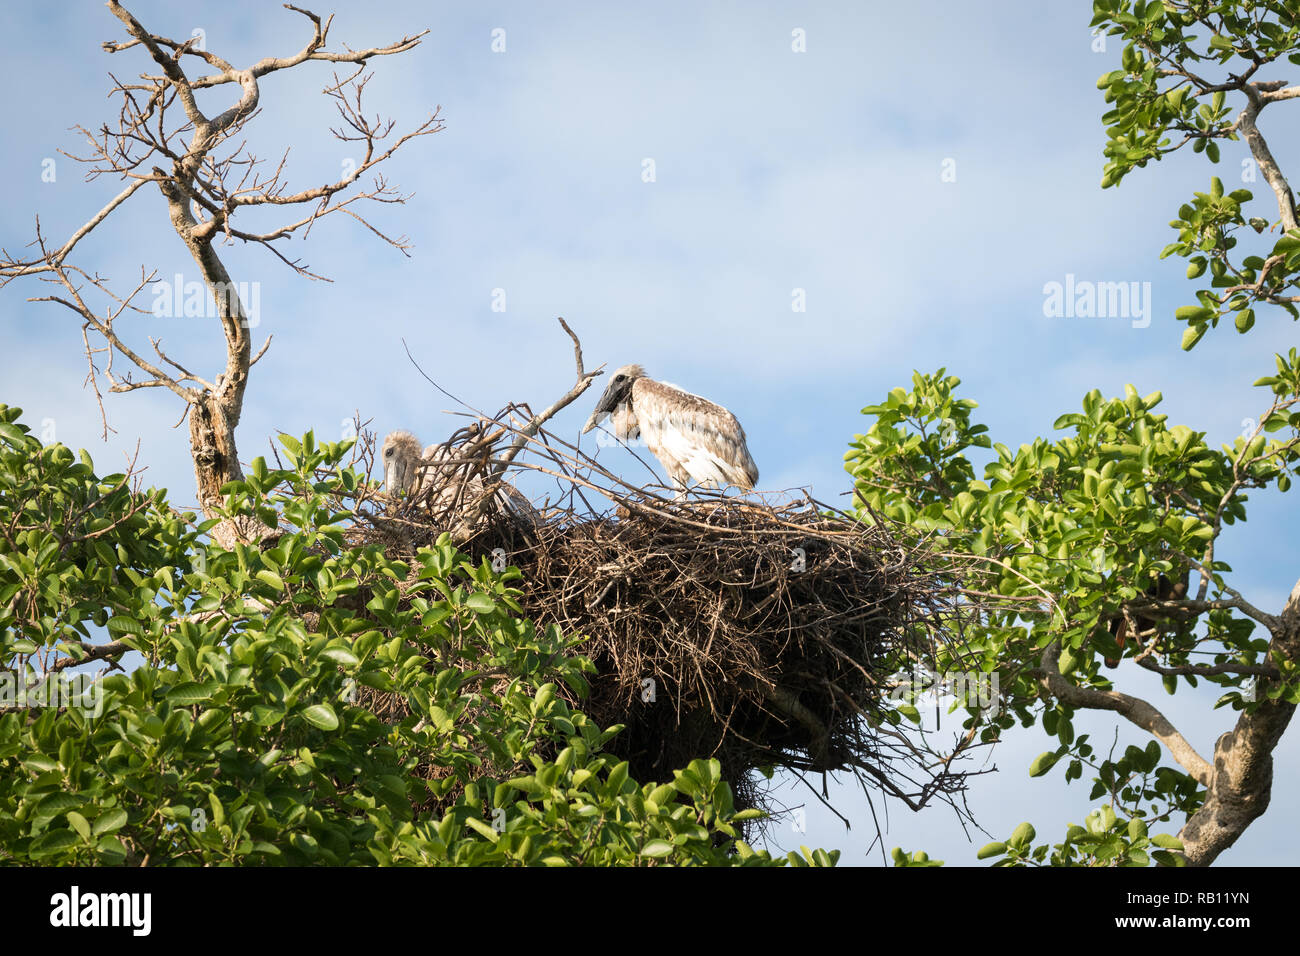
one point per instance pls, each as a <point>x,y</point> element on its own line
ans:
<point>407,470</point>
<point>693,438</point>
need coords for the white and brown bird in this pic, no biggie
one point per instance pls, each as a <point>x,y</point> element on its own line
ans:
<point>695,439</point>
<point>407,469</point>
<point>403,462</point>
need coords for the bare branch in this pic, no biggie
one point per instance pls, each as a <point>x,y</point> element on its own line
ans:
<point>580,385</point>
<point>93,652</point>
<point>1209,670</point>
<point>206,175</point>
<point>186,373</point>
<point>10,269</point>
<point>262,351</point>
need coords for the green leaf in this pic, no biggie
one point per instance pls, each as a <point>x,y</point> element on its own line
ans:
<point>79,823</point>
<point>191,692</point>
<point>322,716</point>
<point>109,821</point>
<point>122,624</point>
<point>1193,335</point>
<point>12,434</point>
<point>52,843</point>
<point>657,848</point>
<point>272,579</point>
<point>1193,313</point>
<point>480,603</point>
<point>265,715</point>
<point>663,794</point>
<point>340,655</point>
<point>478,825</point>
<point>1043,763</point>
<point>1022,836</point>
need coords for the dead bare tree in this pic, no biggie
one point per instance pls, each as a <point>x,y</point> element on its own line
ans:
<point>207,176</point>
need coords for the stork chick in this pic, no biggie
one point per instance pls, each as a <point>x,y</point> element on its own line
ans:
<point>401,456</point>
<point>407,468</point>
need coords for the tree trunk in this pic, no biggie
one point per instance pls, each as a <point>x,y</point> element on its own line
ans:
<point>216,461</point>
<point>1242,784</point>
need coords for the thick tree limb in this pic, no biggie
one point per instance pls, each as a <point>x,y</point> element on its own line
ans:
<point>93,652</point>
<point>1134,709</point>
<point>1264,156</point>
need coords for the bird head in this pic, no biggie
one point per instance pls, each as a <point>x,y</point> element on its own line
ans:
<point>401,457</point>
<point>617,392</point>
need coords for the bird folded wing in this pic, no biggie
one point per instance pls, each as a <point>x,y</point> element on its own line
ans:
<point>703,436</point>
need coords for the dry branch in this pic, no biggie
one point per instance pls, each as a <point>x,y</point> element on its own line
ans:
<point>207,176</point>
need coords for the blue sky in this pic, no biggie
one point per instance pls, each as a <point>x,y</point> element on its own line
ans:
<point>774,171</point>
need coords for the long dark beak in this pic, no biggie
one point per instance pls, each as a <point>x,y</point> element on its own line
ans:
<point>608,402</point>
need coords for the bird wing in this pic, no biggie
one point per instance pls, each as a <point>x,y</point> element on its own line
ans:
<point>508,496</point>
<point>698,436</point>
<point>517,503</point>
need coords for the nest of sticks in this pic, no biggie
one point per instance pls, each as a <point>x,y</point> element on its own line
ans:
<point>759,630</point>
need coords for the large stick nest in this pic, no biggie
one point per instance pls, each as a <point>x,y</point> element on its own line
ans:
<point>760,631</point>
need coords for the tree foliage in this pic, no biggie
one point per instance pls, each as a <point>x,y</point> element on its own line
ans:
<point>1112,526</point>
<point>1085,524</point>
<point>1186,68</point>
<point>239,740</point>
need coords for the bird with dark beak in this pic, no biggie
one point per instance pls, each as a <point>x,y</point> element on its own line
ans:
<point>617,393</point>
<point>693,438</point>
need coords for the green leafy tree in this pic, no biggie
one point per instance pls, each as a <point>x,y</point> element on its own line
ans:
<point>241,738</point>
<point>1107,533</point>
<point>1191,76</point>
